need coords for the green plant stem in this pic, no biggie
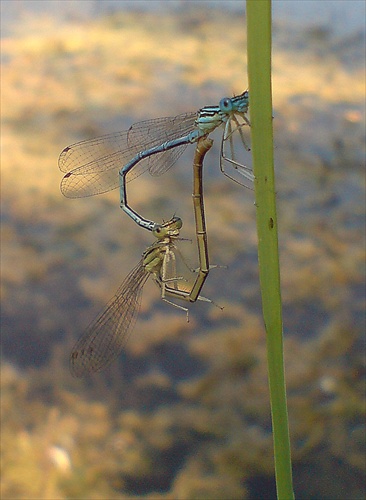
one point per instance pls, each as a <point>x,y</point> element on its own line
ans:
<point>259,73</point>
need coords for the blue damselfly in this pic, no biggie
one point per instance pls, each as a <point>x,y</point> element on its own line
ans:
<point>98,165</point>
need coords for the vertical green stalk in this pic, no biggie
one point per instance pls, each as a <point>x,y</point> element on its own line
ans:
<point>259,74</point>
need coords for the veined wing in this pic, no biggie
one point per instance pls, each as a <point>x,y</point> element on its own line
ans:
<point>103,340</point>
<point>168,129</point>
<point>92,166</point>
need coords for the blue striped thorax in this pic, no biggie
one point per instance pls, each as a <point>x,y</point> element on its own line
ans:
<point>210,117</point>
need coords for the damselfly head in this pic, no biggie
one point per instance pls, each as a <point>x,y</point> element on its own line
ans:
<point>169,228</point>
<point>240,102</point>
<point>236,104</point>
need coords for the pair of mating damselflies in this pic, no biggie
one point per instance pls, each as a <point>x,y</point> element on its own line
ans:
<point>156,144</point>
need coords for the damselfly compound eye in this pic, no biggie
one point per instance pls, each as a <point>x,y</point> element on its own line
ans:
<point>226,104</point>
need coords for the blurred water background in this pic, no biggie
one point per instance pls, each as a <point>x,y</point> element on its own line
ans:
<point>184,413</point>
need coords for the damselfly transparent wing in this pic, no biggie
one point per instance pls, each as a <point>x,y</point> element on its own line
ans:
<point>235,157</point>
<point>105,337</point>
<point>92,166</point>
<point>167,129</point>
<point>103,340</point>
<point>84,153</point>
